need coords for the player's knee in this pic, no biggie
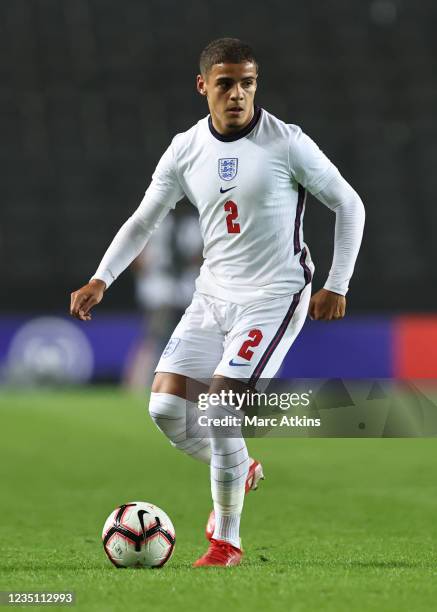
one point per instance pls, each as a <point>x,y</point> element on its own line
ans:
<point>169,414</point>
<point>166,406</point>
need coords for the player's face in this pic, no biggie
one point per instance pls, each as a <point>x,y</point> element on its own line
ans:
<point>230,90</point>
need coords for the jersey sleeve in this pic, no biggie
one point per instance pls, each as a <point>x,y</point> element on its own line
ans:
<point>161,196</point>
<point>308,165</point>
<point>165,186</point>
<point>349,211</point>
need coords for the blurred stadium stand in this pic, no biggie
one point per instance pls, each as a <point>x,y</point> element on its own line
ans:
<point>92,91</point>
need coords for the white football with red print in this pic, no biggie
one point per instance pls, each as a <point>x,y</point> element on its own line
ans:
<point>138,534</point>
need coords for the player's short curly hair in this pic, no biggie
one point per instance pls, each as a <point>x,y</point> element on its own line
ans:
<point>225,50</point>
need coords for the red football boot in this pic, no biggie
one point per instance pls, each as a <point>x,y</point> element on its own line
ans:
<point>220,554</point>
<point>253,477</point>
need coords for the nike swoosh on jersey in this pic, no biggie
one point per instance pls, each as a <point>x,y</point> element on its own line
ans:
<point>231,363</point>
<point>228,189</point>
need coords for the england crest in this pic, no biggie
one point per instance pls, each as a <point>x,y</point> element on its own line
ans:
<point>228,168</point>
<point>172,345</point>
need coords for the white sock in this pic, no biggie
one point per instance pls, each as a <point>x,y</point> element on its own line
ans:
<point>229,469</point>
<point>177,419</point>
<point>227,528</point>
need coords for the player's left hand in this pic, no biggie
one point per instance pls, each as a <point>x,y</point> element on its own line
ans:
<point>326,305</point>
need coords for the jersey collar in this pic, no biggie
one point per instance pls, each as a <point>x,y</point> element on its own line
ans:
<point>242,133</point>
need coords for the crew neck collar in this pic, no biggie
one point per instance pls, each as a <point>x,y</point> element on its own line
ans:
<point>242,133</point>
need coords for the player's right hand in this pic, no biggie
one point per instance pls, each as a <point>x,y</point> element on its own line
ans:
<point>85,298</point>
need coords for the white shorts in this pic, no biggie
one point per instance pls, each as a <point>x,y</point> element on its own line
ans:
<point>216,337</point>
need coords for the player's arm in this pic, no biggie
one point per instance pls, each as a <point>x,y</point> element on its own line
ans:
<point>330,302</point>
<point>311,168</point>
<point>162,195</point>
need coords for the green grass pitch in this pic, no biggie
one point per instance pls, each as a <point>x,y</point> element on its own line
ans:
<point>338,524</point>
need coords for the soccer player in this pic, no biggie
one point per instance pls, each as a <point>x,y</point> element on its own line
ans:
<point>247,172</point>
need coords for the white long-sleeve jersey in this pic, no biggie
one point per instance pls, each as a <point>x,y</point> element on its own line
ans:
<point>250,190</point>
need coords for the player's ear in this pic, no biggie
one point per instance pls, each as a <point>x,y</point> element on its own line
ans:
<point>200,85</point>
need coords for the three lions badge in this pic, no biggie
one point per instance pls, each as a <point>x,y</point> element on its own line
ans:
<point>228,168</point>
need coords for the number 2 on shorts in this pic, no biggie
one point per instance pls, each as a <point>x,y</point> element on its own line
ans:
<point>255,336</point>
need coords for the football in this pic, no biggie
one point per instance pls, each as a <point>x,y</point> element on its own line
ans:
<point>138,534</point>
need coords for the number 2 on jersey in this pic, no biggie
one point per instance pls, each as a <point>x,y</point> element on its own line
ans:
<point>231,208</point>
